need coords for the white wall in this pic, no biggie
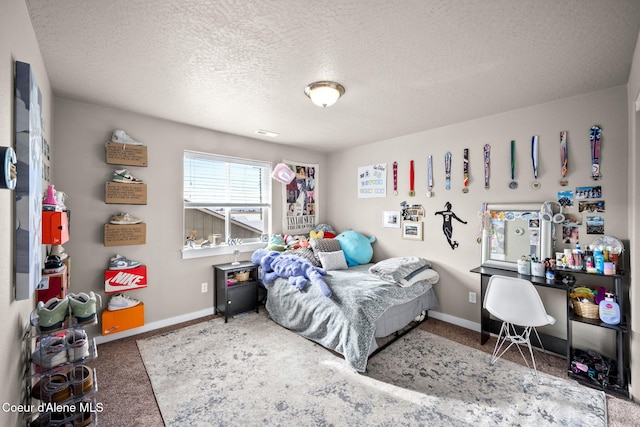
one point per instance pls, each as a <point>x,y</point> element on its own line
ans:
<point>633,94</point>
<point>79,170</point>
<point>17,43</point>
<point>80,132</point>
<point>606,108</point>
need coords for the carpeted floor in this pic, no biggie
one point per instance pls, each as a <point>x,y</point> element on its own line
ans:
<point>128,399</point>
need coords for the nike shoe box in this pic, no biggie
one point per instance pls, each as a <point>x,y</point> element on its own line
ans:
<point>117,281</point>
<point>121,320</point>
<point>55,228</point>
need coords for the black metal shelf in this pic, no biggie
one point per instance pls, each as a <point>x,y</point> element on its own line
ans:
<point>620,392</point>
<point>622,327</point>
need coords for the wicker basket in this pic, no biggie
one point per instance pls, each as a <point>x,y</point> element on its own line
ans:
<point>242,276</point>
<point>586,309</point>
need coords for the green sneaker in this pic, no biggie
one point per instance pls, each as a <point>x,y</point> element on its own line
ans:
<point>83,307</point>
<point>51,315</point>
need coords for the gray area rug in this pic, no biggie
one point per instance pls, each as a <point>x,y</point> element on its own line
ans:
<point>252,372</point>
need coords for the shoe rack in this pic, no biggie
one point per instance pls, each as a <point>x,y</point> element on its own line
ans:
<point>61,386</point>
<point>124,156</point>
<point>55,232</point>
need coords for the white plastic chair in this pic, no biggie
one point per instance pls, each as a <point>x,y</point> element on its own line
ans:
<point>516,301</point>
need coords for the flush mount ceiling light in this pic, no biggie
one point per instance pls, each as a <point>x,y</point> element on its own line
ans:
<point>324,94</point>
<point>268,133</point>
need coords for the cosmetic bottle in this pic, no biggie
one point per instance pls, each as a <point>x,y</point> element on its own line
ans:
<point>598,259</point>
<point>609,310</point>
<point>589,264</point>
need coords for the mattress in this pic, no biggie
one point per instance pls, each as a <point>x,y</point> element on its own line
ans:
<point>362,307</point>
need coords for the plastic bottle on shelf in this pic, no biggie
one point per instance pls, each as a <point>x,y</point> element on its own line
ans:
<point>577,258</point>
<point>598,259</point>
<point>614,256</point>
<point>589,263</point>
<point>609,310</point>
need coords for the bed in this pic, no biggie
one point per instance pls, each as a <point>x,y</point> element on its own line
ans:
<point>369,301</point>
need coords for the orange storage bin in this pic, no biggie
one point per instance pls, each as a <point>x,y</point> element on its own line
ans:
<point>120,320</point>
<point>55,228</point>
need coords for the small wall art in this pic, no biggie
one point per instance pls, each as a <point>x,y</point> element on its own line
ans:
<point>447,224</point>
<point>412,230</point>
<point>372,181</point>
<point>391,219</point>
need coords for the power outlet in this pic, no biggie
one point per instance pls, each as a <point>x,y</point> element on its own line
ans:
<point>204,287</point>
<point>472,297</point>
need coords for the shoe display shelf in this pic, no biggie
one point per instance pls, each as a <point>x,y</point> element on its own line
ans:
<point>118,282</point>
<point>117,153</point>
<point>57,284</point>
<point>60,387</point>
<point>55,227</point>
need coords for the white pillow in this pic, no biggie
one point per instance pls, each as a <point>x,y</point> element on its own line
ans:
<point>427,274</point>
<point>332,260</point>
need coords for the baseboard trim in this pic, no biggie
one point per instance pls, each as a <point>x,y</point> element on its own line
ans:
<point>474,326</point>
<point>155,325</point>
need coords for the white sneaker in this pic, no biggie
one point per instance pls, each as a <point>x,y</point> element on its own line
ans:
<point>60,198</point>
<point>119,302</point>
<point>123,175</point>
<point>58,250</point>
<point>121,137</point>
<point>124,218</point>
<point>77,345</point>
<point>50,351</point>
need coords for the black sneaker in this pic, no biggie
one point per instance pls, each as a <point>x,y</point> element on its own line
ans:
<point>53,265</point>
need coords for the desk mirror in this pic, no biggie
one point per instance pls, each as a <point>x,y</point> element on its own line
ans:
<point>512,230</point>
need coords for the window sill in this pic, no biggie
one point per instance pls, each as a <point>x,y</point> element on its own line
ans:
<point>221,250</point>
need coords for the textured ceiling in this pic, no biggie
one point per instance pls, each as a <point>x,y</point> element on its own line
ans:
<point>407,65</point>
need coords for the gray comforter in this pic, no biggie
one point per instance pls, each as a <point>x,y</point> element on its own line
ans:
<point>345,322</point>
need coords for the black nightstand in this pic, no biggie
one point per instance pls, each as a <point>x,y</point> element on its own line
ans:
<point>233,292</point>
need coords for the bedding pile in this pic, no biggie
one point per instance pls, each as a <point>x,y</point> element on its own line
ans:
<point>405,271</point>
<point>346,322</point>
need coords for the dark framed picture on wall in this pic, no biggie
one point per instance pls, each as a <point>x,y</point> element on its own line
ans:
<point>28,192</point>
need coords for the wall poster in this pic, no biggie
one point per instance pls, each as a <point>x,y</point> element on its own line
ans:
<point>300,199</point>
<point>28,207</point>
<point>372,181</point>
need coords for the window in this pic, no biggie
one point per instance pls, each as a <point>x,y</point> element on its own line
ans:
<point>227,204</point>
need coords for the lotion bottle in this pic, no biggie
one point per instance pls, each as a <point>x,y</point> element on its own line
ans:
<point>609,310</point>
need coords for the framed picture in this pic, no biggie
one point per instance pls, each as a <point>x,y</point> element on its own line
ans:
<point>28,192</point>
<point>391,219</point>
<point>412,230</point>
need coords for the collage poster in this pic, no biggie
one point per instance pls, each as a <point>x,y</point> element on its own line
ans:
<point>300,199</point>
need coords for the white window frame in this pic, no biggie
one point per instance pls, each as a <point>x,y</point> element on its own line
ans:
<point>224,248</point>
